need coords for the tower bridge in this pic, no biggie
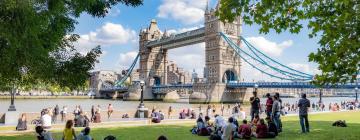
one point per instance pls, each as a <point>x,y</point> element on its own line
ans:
<point>225,51</point>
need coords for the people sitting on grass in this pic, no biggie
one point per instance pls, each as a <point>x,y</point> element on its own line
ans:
<point>161,114</point>
<point>219,122</point>
<point>43,134</point>
<point>182,114</point>
<point>201,128</point>
<point>69,131</point>
<point>155,117</point>
<point>262,130</point>
<point>97,118</point>
<point>244,131</point>
<point>207,122</point>
<point>192,114</point>
<point>271,126</point>
<point>228,130</point>
<point>125,115</point>
<point>21,126</point>
<point>85,134</point>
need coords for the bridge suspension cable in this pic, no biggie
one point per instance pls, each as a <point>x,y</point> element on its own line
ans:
<point>253,49</point>
<point>128,72</point>
<point>284,75</point>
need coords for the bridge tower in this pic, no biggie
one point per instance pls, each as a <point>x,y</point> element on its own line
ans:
<point>222,63</point>
<point>153,61</point>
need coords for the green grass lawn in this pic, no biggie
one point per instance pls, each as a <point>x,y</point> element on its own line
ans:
<point>320,126</point>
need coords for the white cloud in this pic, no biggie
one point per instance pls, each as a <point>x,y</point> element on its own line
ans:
<point>125,60</point>
<point>306,68</point>
<point>108,34</point>
<point>185,11</point>
<point>269,47</point>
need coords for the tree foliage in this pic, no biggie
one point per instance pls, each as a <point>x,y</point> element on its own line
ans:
<point>336,21</point>
<point>36,41</point>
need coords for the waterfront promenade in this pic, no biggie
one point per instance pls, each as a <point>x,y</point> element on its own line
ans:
<point>176,129</point>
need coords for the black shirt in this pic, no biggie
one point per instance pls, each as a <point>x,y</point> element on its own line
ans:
<point>255,103</point>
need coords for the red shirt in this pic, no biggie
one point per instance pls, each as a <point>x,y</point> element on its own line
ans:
<point>269,103</point>
<point>261,130</point>
<point>245,129</point>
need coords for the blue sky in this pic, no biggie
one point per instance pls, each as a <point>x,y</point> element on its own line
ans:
<point>117,33</point>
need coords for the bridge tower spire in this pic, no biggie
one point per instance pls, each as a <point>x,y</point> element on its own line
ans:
<point>207,10</point>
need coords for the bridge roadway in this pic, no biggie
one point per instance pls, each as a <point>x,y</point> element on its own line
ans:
<point>288,85</point>
<point>243,85</point>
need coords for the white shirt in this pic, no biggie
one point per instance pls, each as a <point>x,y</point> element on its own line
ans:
<point>46,119</point>
<point>243,115</point>
<point>219,121</point>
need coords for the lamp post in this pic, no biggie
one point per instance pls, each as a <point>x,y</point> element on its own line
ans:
<point>320,95</point>
<point>356,94</point>
<point>12,98</point>
<point>142,84</point>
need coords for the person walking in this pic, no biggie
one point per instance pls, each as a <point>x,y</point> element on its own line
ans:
<point>170,110</point>
<point>63,114</point>
<point>56,113</point>
<point>110,110</point>
<point>255,105</point>
<point>93,110</point>
<point>303,105</point>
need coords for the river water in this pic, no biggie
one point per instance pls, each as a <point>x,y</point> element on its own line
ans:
<point>35,105</point>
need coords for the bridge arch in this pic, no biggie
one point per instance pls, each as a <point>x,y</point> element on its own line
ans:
<point>229,75</point>
<point>157,80</point>
<point>107,84</point>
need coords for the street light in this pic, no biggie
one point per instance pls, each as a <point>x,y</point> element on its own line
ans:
<point>356,95</point>
<point>12,98</point>
<point>23,71</point>
<point>320,99</point>
<point>142,84</point>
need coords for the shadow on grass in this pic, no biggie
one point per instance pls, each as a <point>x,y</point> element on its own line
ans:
<point>320,130</point>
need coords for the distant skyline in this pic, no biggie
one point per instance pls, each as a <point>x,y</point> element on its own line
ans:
<point>117,34</point>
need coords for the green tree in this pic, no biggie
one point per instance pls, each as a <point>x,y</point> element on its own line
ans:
<point>336,21</point>
<point>37,36</point>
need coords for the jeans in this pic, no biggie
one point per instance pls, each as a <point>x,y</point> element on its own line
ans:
<point>304,119</point>
<point>253,113</point>
<point>268,113</point>
<point>276,120</point>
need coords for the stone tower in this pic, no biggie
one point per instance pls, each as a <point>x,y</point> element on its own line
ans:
<point>153,61</point>
<point>222,64</point>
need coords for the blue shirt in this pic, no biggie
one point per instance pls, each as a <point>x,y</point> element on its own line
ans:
<point>303,106</point>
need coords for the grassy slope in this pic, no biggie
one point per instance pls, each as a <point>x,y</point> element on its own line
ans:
<point>321,129</point>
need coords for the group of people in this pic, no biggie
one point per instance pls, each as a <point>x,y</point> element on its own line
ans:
<point>267,127</point>
<point>69,133</point>
<point>157,116</point>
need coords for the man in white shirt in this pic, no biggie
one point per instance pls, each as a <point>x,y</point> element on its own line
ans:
<point>228,130</point>
<point>219,122</point>
<point>46,120</point>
